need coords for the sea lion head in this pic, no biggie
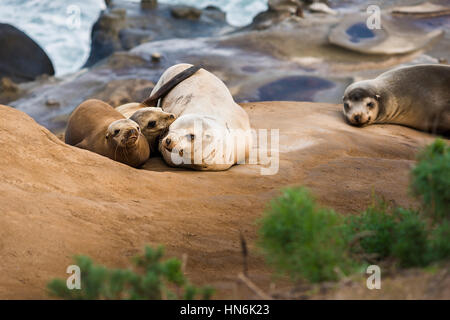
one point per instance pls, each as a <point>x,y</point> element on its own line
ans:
<point>152,121</point>
<point>123,133</point>
<point>196,141</point>
<point>361,103</point>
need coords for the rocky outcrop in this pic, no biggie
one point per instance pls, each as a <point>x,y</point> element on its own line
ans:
<point>289,60</point>
<point>394,37</point>
<point>58,201</point>
<point>21,59</point>
<point>124,25</point>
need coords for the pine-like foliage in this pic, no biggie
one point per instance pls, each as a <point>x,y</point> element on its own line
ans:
<point>150,278</point>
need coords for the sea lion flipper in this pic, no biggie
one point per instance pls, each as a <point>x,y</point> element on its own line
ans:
<point>152,101</point>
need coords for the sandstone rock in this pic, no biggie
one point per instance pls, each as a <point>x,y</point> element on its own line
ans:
<point>21,59</point>
<point>58,201</point>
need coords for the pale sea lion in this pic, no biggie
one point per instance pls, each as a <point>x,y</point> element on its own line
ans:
<point>416,96</point>
<point>96,126</point>
<point>211,131</point>
<point>153,121</point>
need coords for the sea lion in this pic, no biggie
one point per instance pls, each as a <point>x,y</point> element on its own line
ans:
<point>211,131</point>
<point>415,96</point>
<point>96,126</point>
<point>128,109</point>
<point>153,121</point>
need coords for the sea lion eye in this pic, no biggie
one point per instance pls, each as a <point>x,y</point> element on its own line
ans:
<point>151,124</point>
<point>190,137</point>
<point>116,132</point>
<point>346,106</point>
<point>370,104</point>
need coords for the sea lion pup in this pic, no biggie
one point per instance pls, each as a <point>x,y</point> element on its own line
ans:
<point>211,131</point>
<point>96,126</point>
<point>152,121</point>
<point>416,96</point>
<point>129,108</point>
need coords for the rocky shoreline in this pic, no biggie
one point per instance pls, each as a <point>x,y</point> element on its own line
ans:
<point>280,56</point>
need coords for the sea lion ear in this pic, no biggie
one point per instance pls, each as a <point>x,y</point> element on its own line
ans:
<point>377,97</point>
<point>107,135</point>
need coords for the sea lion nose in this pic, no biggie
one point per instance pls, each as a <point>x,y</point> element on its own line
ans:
<point>132,132</point>
<point>168,141</point>
<point>357,118</point>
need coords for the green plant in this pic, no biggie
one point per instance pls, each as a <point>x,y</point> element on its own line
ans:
<point>390,232</point>
<point>431,179</point>
<point>410,238</point>
<point>302,239</point>
<point>439,244</point>
<point>150,279</point>
<point>375,220</point>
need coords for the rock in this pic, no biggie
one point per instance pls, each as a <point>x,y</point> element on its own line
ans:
<point>9,91</point>
<point>130,38</point>
<point>186,12</point>
<point>426,9</point>
<point>214,13</point>
<point>21,59</point>
<point>52,103</point>
<point>285,5</point>
<point>118,92</point>
<point>125,25</point>
<point>59,201</point>
<point>395,36</point>
<point>105,36</point>
<point>156,57</point>
<point>149,4</point>
<point>6,84</point>
<point>320,7</point>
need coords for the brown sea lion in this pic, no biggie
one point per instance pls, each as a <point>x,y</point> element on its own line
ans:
<point>152,121</point>
<point>96,126</point>
<point>415,96</point>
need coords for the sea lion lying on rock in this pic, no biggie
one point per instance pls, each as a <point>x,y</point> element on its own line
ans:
<point>211,131</point>
<point>153,121</point>
<point>96,126</point>
<point>416,96</point>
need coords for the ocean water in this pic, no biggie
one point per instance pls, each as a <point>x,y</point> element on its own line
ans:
<point>63,28</point>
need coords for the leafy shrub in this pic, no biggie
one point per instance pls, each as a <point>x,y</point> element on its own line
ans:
<point>149,280</point>
<point>303,240</point>
<point>397,233</point>
<point>379,221</point>
<point>439,244</point>
<point>410,238</point>
<point>431,179</point>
